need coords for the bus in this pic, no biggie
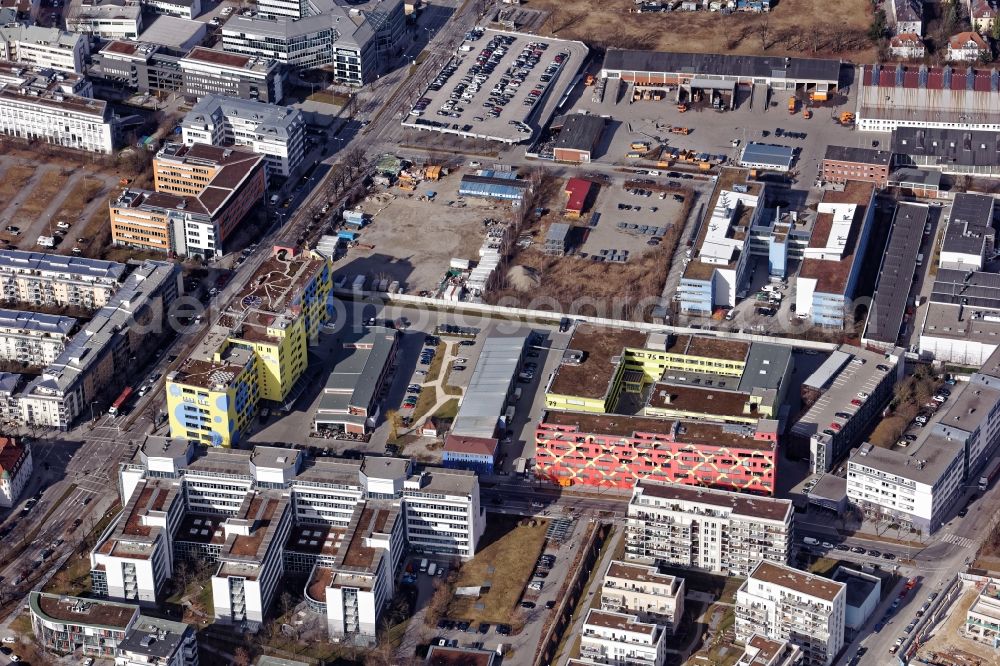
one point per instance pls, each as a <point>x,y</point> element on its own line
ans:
<point>116,406</point>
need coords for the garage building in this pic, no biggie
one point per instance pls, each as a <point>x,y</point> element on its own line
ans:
<point>767,156</point>
<point>578,136</point>
<point>717,73</point>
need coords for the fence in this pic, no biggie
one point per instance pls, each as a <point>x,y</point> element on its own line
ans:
<point>526,314</point>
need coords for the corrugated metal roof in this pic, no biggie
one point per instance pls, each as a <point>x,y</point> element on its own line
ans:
<point>485,400</point>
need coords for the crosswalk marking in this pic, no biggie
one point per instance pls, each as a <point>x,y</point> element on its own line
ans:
<point>957,540</point>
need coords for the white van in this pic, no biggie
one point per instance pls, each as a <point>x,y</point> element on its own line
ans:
<point>275,199</point>
<point>423,565</point>
<point>431,569</point>
<point>809,541</point>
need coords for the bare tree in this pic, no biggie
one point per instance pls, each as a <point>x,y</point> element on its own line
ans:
<point>765,26</point>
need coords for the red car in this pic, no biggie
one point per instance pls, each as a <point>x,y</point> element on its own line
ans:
<point>835,426</point>
<point>856,402</point>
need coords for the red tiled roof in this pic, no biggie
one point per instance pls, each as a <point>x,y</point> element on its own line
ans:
<point>484,446</point>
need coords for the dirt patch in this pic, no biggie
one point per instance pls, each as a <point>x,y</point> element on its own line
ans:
<point>85,191</point>
<point>50,184</point>
<point>13,181</point>
<point>799,28</point>
<point>949,646</point>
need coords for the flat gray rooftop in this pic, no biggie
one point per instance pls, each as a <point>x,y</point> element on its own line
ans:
<point>895,277</point>
<point>486,397</point>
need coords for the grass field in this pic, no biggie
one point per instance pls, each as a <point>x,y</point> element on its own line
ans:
<point>505,562</point>
<point>45,189</point>
<point>803,28</point>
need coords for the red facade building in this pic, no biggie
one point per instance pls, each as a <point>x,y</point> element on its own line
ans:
<point>615,451</point>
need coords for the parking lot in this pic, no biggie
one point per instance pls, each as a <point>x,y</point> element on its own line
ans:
<point>631,221</point>
<point>496,84</point>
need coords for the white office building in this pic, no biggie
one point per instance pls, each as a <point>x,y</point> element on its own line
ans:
<point>645,592</point>
<point>785,604</point>
<point>919,485</point>
<point>105,19</point>
<point>257,515</point>
<point>620,638</point>
<point>713,530</point>
<point>276,132</point>
<point>49,48</point>
<point>37,106</point>
<point>33,337</point>
<point>355,42</point>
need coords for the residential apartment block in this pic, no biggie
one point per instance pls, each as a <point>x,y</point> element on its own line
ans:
<point>255,351</point>
<point>40,279</point>
<point>44,48</point>
<point>202,194</point>
<point>762,651</point>
<point>620,638</point>
<point>785,604</point>
<point>268,515</point>
<point>712,530</point>
<point>125,329</point>
<point>55,108</point>
<point>276,132</point>
<point>154,69</point>
<point>643,591</point>
<point>920,485</point>
<point>33,338</point>
<point>110,630</point>
<point>16,467</point>
<point>832,262</point>
<point>844,163</point>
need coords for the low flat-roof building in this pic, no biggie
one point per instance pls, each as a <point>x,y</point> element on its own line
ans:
<point>66,624</point>
<point>349,403</point>
<point>105,19</point>
<point>478,454</point>
<point>490,184</point>
<point>767,156</point>
<point>961,152</point>
<point>863,595</point>
<point>174,32</point>
<point>963,315</point>
<point>157,642</point>
<point>924,183</point>
<point>651,67</point>
<point>899,95</point>
<point>459,656</point>
<point>829,395</point>
<point>888,314</point>
<point>844,163</point>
